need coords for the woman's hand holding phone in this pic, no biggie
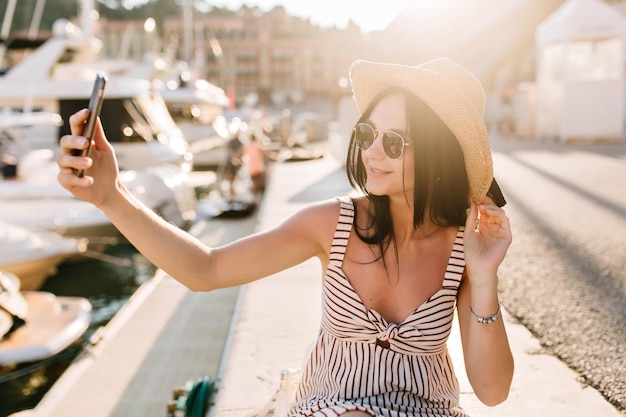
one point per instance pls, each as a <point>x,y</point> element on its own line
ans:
<point>95,106</point>
<point>96,157</point>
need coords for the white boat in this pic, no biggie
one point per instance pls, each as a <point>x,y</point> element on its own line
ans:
<point>34,199</point>
<point>9,119</point>
<point>68,217</point>
<point>42,324</point>
<point>134,115</point>
<point>34,255</point>
<point>150,148</point>
<point>188,97</point>
<point>12,305</point>
<point>201,102</point>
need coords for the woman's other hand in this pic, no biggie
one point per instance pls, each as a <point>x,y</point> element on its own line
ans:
<point>487,239</point>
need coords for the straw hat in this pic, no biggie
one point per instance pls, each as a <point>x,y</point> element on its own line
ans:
<point>452,92</point>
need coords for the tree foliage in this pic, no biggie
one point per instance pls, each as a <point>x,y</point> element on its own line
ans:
<point>53,10</point>
<point>110,9</point>
<point>157,9</point>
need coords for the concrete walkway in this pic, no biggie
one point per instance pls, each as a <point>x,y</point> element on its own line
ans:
<point>279,319</point>
<point>164,336</point>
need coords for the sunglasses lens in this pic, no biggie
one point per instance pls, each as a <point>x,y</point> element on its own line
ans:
<point>393,144</point>
<point>364,136</point>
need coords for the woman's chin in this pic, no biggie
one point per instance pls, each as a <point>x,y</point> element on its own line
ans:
<point>376,191</point>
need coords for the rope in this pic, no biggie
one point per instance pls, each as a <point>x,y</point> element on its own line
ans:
<point>107,258</point>
<point>38,365</point>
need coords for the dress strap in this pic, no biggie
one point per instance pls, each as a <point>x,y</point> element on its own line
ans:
<point>342,231</point>
<point>456,263</point>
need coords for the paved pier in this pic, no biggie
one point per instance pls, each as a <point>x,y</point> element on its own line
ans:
<point>165,335</point>
<point>279,319</point>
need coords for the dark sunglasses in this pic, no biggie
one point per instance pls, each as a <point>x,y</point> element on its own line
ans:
<point>393,143</point>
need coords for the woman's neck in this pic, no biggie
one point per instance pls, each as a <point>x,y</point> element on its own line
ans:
<point>402,213</point>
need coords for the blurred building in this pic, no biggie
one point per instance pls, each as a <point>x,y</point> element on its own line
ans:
<point>282,59</point>
<point>271,55</point>
<point>483,35</point>
<point>498,42</point>
<point>580,73</point>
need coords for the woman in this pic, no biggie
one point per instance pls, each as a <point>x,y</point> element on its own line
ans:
<point>421,240</point>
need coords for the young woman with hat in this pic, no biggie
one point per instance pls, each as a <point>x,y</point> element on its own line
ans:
<point>422,240</point>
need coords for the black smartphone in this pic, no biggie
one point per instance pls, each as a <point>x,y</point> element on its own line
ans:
<point>95,105</point>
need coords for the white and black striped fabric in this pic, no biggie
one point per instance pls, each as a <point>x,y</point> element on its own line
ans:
<point>362,362</point>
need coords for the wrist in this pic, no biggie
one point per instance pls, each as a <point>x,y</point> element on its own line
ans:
<point>481,271</point>
<point>483,283</point>
<point>484,297</point>
<point>115,198</point>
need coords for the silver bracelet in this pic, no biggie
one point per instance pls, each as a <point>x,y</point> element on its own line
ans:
<point>486,320</point>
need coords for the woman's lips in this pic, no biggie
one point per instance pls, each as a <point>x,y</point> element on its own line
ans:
<point>376,171</point>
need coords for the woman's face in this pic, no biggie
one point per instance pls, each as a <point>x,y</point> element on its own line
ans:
<point>386,176</point>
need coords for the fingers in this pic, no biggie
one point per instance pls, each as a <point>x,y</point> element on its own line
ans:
<point>492,214</point>
<point>70,180</point>
<point>73,146</point>
<point>70,160</point>
<point>75,143</point>
<point>77,122</point>
<point>495,223</point>
<point>70,143</point>
<point>486,213</point>
<point>100,139</point>
<point>473,218</point>
<point>69,164</point>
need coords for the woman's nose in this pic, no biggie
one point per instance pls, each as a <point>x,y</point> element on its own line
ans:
<point>376,150</point>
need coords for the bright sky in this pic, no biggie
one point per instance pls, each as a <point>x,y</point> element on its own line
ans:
<point>368,14</point>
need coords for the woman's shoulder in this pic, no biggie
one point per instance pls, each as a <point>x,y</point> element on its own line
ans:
<point>321,217</point>
<point>332,206</point>
<point>316,223</point>
<point>325,209</point>
<point>314,226</point>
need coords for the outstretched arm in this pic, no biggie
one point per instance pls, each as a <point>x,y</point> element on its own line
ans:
<point>175,251</point>
<point>488,358</point>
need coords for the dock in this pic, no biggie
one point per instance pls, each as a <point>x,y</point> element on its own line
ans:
<point>164,336</point>
<point>244,337</point>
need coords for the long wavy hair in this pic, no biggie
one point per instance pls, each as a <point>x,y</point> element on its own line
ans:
<point>441,187</point>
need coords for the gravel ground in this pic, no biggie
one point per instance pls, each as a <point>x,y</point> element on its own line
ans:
<point>565,275</point>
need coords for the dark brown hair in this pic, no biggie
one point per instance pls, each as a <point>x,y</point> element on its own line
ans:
<point>441,187</point>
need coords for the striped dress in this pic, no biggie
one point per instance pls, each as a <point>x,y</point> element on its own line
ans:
<point>362,362</point>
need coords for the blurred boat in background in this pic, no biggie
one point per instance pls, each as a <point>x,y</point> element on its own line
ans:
<point>34,255</point>
<point>40,323</point>
<point>57,77</point>
<point>188,97</point>
<point>34,199</point>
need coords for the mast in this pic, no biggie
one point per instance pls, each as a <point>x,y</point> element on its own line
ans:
<point>187,30</point>
<point>36,21</point>
<point>6,28</point>
<point>86,17</point>
<point>8,19</point>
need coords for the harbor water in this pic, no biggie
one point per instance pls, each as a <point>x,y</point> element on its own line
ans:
<point>107,283</point>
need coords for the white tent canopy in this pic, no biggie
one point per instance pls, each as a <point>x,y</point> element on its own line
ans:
<point>580,72</point>
<point>581,20</point>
